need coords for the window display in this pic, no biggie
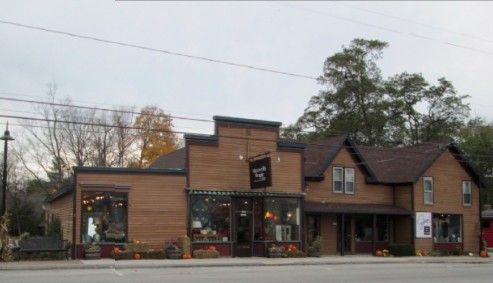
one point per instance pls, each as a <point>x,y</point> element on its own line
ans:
<point>447,228</point>
<point>210,218</point>
<point>104,217</point>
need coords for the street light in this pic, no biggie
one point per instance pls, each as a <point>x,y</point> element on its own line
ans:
<point>6,138</point>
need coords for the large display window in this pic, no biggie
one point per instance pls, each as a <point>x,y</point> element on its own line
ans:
<point>211,218</point>
<point>364,228</point>
<point>281,219</point>
<point>447,228</point>
<point>104,217</point>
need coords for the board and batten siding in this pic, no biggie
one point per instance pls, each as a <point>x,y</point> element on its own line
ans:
<point>157,204</point>
<point>448,175</point>
<point>224,166</point>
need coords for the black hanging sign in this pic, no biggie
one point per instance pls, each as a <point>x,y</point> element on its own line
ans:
<point>260,173</point>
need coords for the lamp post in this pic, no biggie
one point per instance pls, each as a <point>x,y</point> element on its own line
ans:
<point>6,138</point>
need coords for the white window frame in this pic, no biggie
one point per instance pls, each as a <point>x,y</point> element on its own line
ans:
<point>339,181</point>
<point>428,192</point>
<point>349,179</point>
<point>466,190</point>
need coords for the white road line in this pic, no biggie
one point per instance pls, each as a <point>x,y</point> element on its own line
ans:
<point>116,272</point>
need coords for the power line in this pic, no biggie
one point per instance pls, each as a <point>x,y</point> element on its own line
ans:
<point>385,28</point>
<point>158,50</point>
<point>410,21</point>
<point>97,108</point>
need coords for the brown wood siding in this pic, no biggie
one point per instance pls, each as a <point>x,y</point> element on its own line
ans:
<point>63,209</point>
<point>448,175</point>
<point>403,233</point>
<point>403,197</point>
<point>363,192</point>
<point>329,234</point>
<point>220,167</point>
<point>157,204</point>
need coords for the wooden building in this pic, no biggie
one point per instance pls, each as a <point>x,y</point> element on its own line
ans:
<point>244,188</point>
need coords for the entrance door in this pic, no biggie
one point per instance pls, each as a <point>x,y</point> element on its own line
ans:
<point>244,238</point>
<point>344,233</point>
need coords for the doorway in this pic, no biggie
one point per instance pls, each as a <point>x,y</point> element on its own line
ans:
<point>344,234</point>
<point>243,235</point>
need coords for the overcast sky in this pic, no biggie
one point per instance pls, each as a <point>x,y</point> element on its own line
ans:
<point>436,38</point>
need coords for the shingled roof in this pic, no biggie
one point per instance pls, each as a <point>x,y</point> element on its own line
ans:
<point>401,165</point>
<point>173,160</point>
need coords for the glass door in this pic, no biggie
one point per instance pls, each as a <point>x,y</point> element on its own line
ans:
<point>344,238</point>
<point>244,237</point>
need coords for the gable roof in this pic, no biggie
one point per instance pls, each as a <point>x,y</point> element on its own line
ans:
<point>402,165</point>
<point>407,164</point>
<point>173,160</point>
<point>320,154</point>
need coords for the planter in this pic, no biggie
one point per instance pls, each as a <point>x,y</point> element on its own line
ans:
<point>92,253</point>
<point>275,253</point>
<point>313,253</point>
<point>174,254</point>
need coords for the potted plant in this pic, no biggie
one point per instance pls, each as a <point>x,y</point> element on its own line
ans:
<point>173,251</point>
<point>275,251</point>
<point>315,247</point>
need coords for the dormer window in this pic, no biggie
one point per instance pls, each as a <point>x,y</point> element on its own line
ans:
<point>343,180</point>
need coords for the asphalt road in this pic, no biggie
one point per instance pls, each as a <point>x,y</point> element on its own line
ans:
<point>368,273</point>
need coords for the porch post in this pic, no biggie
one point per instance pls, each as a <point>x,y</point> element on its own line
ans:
<point>343,234</point>
<point>374,234</point>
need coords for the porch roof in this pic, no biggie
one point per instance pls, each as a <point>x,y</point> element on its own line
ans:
<point>352,208</point>
<point>215,192</point>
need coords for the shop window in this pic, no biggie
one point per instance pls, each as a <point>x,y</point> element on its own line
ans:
<point>364,228</point>
<point>447,228</point>
<point>104,217</point>
<point>282,219</point>
<point>210,218</point>
<point>466,193</point>
<point>428,190</point>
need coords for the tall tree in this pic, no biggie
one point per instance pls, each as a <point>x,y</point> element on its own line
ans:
<point>352,102</point>
<point>375,111</point>
<point>155,137</point>
<point>477,142</point>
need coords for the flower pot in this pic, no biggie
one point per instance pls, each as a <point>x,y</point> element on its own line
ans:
<point>275,253</point>
<point>174,254</point>
<point>92,253</point>
<point>314,253</point>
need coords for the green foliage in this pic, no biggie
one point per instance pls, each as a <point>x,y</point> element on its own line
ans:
<point>374,111</point>
<point>24,217</point>
<point>316,246</point>
<point>54,228</point>
<point>401,250</point>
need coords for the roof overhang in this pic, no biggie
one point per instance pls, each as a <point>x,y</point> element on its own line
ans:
<point>351,208</point>
<point>253,193</point>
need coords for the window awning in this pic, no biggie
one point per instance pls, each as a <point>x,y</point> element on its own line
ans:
<point>351,208</point>
<point>241,193</point>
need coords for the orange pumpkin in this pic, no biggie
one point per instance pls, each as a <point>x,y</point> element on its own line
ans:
<point>483,253</point>
<point>137,256</point>
<point>378,253</point>
<point>187,256</point>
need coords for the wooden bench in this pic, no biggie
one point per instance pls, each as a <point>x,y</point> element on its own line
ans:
<point>41,244</point>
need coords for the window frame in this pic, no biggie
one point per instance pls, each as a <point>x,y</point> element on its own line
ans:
<point>430,192</point>
<point>346,170</point>
<point>468,193</point>
<point>341,180</point>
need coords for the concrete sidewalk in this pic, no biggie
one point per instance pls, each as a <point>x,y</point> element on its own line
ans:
<point>228,261</point>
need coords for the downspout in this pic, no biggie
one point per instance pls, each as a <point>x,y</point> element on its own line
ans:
<point>413,218</point>
<point>343,234</point>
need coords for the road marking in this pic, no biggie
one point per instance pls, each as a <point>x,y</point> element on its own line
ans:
<point>116,272</point>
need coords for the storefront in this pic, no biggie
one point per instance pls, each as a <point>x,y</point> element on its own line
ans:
<point>244,224</point>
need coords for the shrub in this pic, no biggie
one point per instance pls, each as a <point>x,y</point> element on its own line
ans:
<point>401,250</point>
